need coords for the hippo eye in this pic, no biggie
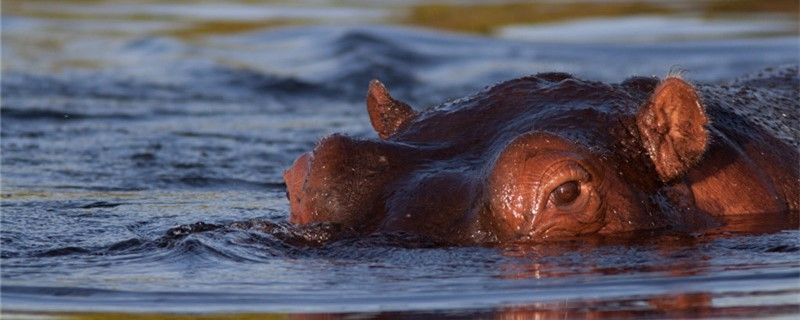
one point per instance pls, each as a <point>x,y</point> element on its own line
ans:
<point>566,193</point>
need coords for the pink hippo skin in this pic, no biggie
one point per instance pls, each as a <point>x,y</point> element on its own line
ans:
<point>551,156</point>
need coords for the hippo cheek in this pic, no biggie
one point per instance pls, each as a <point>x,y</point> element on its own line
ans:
<point>511,215</point>
<point>439,204</point>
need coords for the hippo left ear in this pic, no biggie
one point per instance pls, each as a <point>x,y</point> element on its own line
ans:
<point>673,128</point>
<point>386,114</point>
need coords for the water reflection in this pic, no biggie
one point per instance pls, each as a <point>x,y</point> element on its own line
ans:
<point>699,305</point>
<point>696,305</point>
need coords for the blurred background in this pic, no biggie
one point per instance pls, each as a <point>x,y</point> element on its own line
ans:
<point>82,30</point>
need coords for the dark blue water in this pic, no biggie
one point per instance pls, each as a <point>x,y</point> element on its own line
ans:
<point>143,173</point>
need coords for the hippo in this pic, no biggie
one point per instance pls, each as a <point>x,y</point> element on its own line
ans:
<point>552,156</point>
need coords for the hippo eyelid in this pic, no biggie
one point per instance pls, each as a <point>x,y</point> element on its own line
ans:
<point>562,172</point>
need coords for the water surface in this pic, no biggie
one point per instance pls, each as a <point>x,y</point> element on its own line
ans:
<point>141,172</point>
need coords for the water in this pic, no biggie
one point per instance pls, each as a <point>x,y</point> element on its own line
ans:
<point>141,172</point>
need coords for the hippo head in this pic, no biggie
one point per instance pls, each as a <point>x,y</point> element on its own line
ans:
<point>541,157</point>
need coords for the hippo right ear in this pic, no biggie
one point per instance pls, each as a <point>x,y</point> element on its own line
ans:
<point>386,114</point>
<point>673,128</point>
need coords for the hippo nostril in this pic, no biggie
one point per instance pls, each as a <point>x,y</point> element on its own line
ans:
<point>293,177</point>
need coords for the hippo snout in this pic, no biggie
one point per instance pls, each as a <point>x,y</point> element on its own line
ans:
<point>295,178</point>
<point>342,180</point>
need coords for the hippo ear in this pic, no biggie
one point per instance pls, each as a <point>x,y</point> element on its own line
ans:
<point>386,114</point>
<point>673,128</point>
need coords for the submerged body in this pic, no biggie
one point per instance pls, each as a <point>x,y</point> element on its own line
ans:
<point>552,156</point>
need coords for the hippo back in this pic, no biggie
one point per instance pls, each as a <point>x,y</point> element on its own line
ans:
<point>768,99</point>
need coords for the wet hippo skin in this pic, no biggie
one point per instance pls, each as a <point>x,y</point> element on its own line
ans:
<point>551,156</point>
